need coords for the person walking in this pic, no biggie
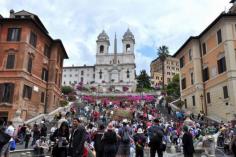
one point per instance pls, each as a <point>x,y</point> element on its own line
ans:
<point>187,141</point>
<point>156,134</point>
<point>98,145</point>
<point>27,136</point>
<point>233,145</point>
<point>61,139</point>
<point>78,137</point>
<point>124,145</point>
<point>109,141</point>
<point>140,141</point>
<point>36,134</point>
<point>7,134</point>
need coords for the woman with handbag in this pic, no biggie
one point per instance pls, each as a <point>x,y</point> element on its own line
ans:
<point>61,138</point>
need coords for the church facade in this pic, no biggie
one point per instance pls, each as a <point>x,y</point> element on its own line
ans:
<point>112,72</point>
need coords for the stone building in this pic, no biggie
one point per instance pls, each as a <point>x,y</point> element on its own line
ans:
<point>208,69</point>
<point>112,71</point>
<point>171,69</point>
<point>31,64</point>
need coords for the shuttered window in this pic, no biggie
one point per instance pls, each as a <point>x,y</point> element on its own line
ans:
<point>7,92</point>
<point>27,92</point>
<point>10,61</point>
<point>13,34</point>
<point>30,62</point>
<point>33,39</point>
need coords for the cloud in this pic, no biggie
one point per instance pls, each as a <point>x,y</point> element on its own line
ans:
<point>153,22</point>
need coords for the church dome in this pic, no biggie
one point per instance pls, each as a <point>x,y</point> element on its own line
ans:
<point>128,35</point>
<point>103,36</point>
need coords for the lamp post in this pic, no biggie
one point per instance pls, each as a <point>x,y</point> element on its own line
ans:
<point>201,97</point>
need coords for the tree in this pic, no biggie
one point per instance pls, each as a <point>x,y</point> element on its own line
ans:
<point>143,81</point>
<point>67,90</point>
<point>173,88</point>
<point>163,53</point>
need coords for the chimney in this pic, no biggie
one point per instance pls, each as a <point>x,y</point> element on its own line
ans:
<point>12,13</point>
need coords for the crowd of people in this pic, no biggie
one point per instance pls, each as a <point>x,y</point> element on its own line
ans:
<point>95,130</point>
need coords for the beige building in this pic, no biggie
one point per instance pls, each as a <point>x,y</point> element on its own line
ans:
<point>208,69</point>
<point>171,69</point>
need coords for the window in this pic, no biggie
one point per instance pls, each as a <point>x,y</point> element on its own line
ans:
<point>181,61</point>
<point>168,80</point>
<point>64,75</point>
<point>127,47</point>
<point>203,48</point>
<point>190,54</point>
<point>168,73</point>
<point>75,82</point>
<point>42,97</point>
<point>29,66</point>
<point>221,65</point>
<point>193,99</point>
<point>81,79</point>
<point>225,92</point>
<point>13,34</point>
<point>27,92</point>
<point>208,98</point>
<point>205,74</point>
<point>6,92</point>
<point>10,61</point>
<point>33,39</point>
<point>183,82</point>
<point>128,73</point>
<point>46,51</point>
<point>82,72</point>
<point>100,74</point>
<point>93,75</point>
<point>219,36</point>
<point>70,75</point>
<point>101,49</point>
<point>192,79</point>
<point>44,74</point>
<point>185,103</point>
<point>173,74</point>
<point>76,75</point>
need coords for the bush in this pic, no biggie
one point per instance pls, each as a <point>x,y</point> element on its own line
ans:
<point>63,103</point>
<point>67,90</point>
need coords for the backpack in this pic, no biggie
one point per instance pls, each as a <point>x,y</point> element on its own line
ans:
<point>125,137</point>
<point>157,135</point>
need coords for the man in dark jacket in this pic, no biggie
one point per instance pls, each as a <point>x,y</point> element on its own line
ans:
<point>78,138</point>
<point>98,145</point>
<point>156,134</point>
<point>187,143</point>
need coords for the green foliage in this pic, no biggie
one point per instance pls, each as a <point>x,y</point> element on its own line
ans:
<point>143,81</point>
<point>63,103</point>
<point>168,99</point>
<point>67,90</point>
<point>163,53</point>
<point>173,88</point>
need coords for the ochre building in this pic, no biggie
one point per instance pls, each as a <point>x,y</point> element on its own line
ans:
<point>208,69</point>
<point>171,69</point>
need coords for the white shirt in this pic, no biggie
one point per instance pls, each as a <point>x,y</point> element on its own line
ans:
<point>10,130</point>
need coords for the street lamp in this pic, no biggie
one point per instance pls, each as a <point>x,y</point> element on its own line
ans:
<point>201,97</point>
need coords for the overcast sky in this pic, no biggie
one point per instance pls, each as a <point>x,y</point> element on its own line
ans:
<point>153,22</point>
